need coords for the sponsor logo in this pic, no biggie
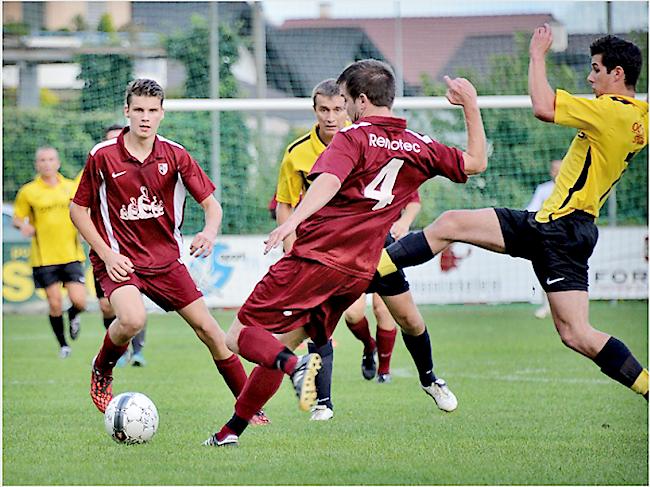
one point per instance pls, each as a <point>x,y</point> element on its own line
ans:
<point>553,281</point>
<point>163,167</point>
<point>143,207</point>
<point>118,174</point>
<point>287,312</point>
<point>396,145</point>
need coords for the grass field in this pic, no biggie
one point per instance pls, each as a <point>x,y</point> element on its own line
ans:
<point>530,411</point>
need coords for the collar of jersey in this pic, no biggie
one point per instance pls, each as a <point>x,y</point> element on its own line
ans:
<point>155,151</point>
<point>378,120</point>
<point>39,180</point>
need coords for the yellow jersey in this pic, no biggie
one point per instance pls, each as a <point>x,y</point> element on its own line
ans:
<point>611,130</point>
<point>56,240</point>
<point>299,157</point>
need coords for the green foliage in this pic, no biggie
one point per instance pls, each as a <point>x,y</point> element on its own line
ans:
<point>242,213</point>
<point>24,131</point>
<point>79,22</point>
<point>106,23</point>
<point>15,29</point>
<point>105,78</point>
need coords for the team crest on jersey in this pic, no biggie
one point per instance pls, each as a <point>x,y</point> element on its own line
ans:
<point>162,168</point>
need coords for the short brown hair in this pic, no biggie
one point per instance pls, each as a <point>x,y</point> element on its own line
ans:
<point>371,77</point>
<point>327,87</point>
<point>144,87</point>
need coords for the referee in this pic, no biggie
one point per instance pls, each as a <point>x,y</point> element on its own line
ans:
<point>41,211</point>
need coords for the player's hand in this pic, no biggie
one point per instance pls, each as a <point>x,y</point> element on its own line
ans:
<point>201,245</point>
<point>118,267</point>
<point>541,41</point>
<point>27,230</point>
<point>278,235</point>
<point>460,91</point>
<point>399,229</point>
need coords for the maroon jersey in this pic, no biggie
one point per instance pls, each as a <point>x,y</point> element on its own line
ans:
<point>137,207</point>
<point>380,164</point>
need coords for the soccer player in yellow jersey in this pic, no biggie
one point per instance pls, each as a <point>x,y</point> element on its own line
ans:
<point>41,211</point>
<point>299,158</point>
<point>559,238</point>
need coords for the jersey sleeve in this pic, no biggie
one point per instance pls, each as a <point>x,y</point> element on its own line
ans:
<point>576,112</point>
<point>194,178</point>
<point>22,209</point>
<point>446,161</point>
<point>339,158</point>
<point>414,198</point>
<point>290,184</point>
<point>88,188</point>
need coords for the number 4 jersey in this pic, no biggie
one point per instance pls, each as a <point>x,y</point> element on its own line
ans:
<point>380,163</point>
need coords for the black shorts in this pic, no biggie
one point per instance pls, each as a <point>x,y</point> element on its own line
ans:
<point>45,276</point>
<point>391,284</point>
<point>99,292</point>
<point>559,250</point>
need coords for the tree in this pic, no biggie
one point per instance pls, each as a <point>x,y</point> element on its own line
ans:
<point>105,78</point>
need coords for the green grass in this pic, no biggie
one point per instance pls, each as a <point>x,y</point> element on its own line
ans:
<point>530,411</point>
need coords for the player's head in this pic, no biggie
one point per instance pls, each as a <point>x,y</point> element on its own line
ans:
<point>614,61</point>
<point>47,161</point>
<point>367,81</point>
<point>112,131</point>
<point>329,106</point>
<point>554,168</point>
<point>143,107</point>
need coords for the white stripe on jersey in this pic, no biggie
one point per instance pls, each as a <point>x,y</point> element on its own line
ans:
<point>424,138</point>
<point>163,139</point>
<point>106,143</point>
<point>355,126</point>
<point>179,202</point>
<point>103,206</point>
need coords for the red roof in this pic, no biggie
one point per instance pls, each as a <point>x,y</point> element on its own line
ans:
<point>427,42</point>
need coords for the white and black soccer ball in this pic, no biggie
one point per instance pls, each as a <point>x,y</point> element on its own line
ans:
<point>130,418</point>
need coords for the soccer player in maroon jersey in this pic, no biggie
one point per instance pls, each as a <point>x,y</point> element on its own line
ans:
<point>134,186</point>
<point>361,183</point>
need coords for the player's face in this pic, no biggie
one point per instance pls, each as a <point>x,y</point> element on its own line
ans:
<point>47,162</point>
<point>145,114</point>
<point>353,107</point>
<point>331,114</point>
<point>600,80</point>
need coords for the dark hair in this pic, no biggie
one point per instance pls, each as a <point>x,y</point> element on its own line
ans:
<point>619,52</point>
<point>327,87</point>
<point>144,87</point>
<point>373,78</point>
<point>115,126</point>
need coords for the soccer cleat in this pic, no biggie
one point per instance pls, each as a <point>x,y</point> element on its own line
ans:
<point>304,379</point>
<point>137,360</point>
<point>321,413</point>
<point>259,419</point>
<point>542,312</point>
<point>229,440</point>
<point>101,388</point>
<point>124,359</point>
<point>443,397</point>
<point>65,352</point>
<point>384,378</point>
<point>369,364</point>
<point>75,327</point>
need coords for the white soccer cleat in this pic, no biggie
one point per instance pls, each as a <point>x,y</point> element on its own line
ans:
<point>65,352</point>
<point>542,312</point>
<point>321,413</point>
<point>229,440</point>
<point>443,397</point>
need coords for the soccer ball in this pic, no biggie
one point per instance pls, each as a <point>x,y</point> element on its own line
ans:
<point>131,418</point>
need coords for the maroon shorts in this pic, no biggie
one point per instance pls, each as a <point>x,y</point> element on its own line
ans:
<point>171,290</point>
<point>299,292</point>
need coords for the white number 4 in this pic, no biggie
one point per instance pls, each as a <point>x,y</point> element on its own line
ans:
<point>386,177</point>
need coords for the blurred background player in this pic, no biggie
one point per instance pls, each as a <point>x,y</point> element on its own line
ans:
<point>542,192</point>
<point>135,180</point>
<point>41,212</point>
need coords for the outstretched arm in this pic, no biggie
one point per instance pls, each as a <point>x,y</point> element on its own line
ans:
<point>320,192</point>
<point>282,214</point>
<point>461,92</point>
<point>541,93</point>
